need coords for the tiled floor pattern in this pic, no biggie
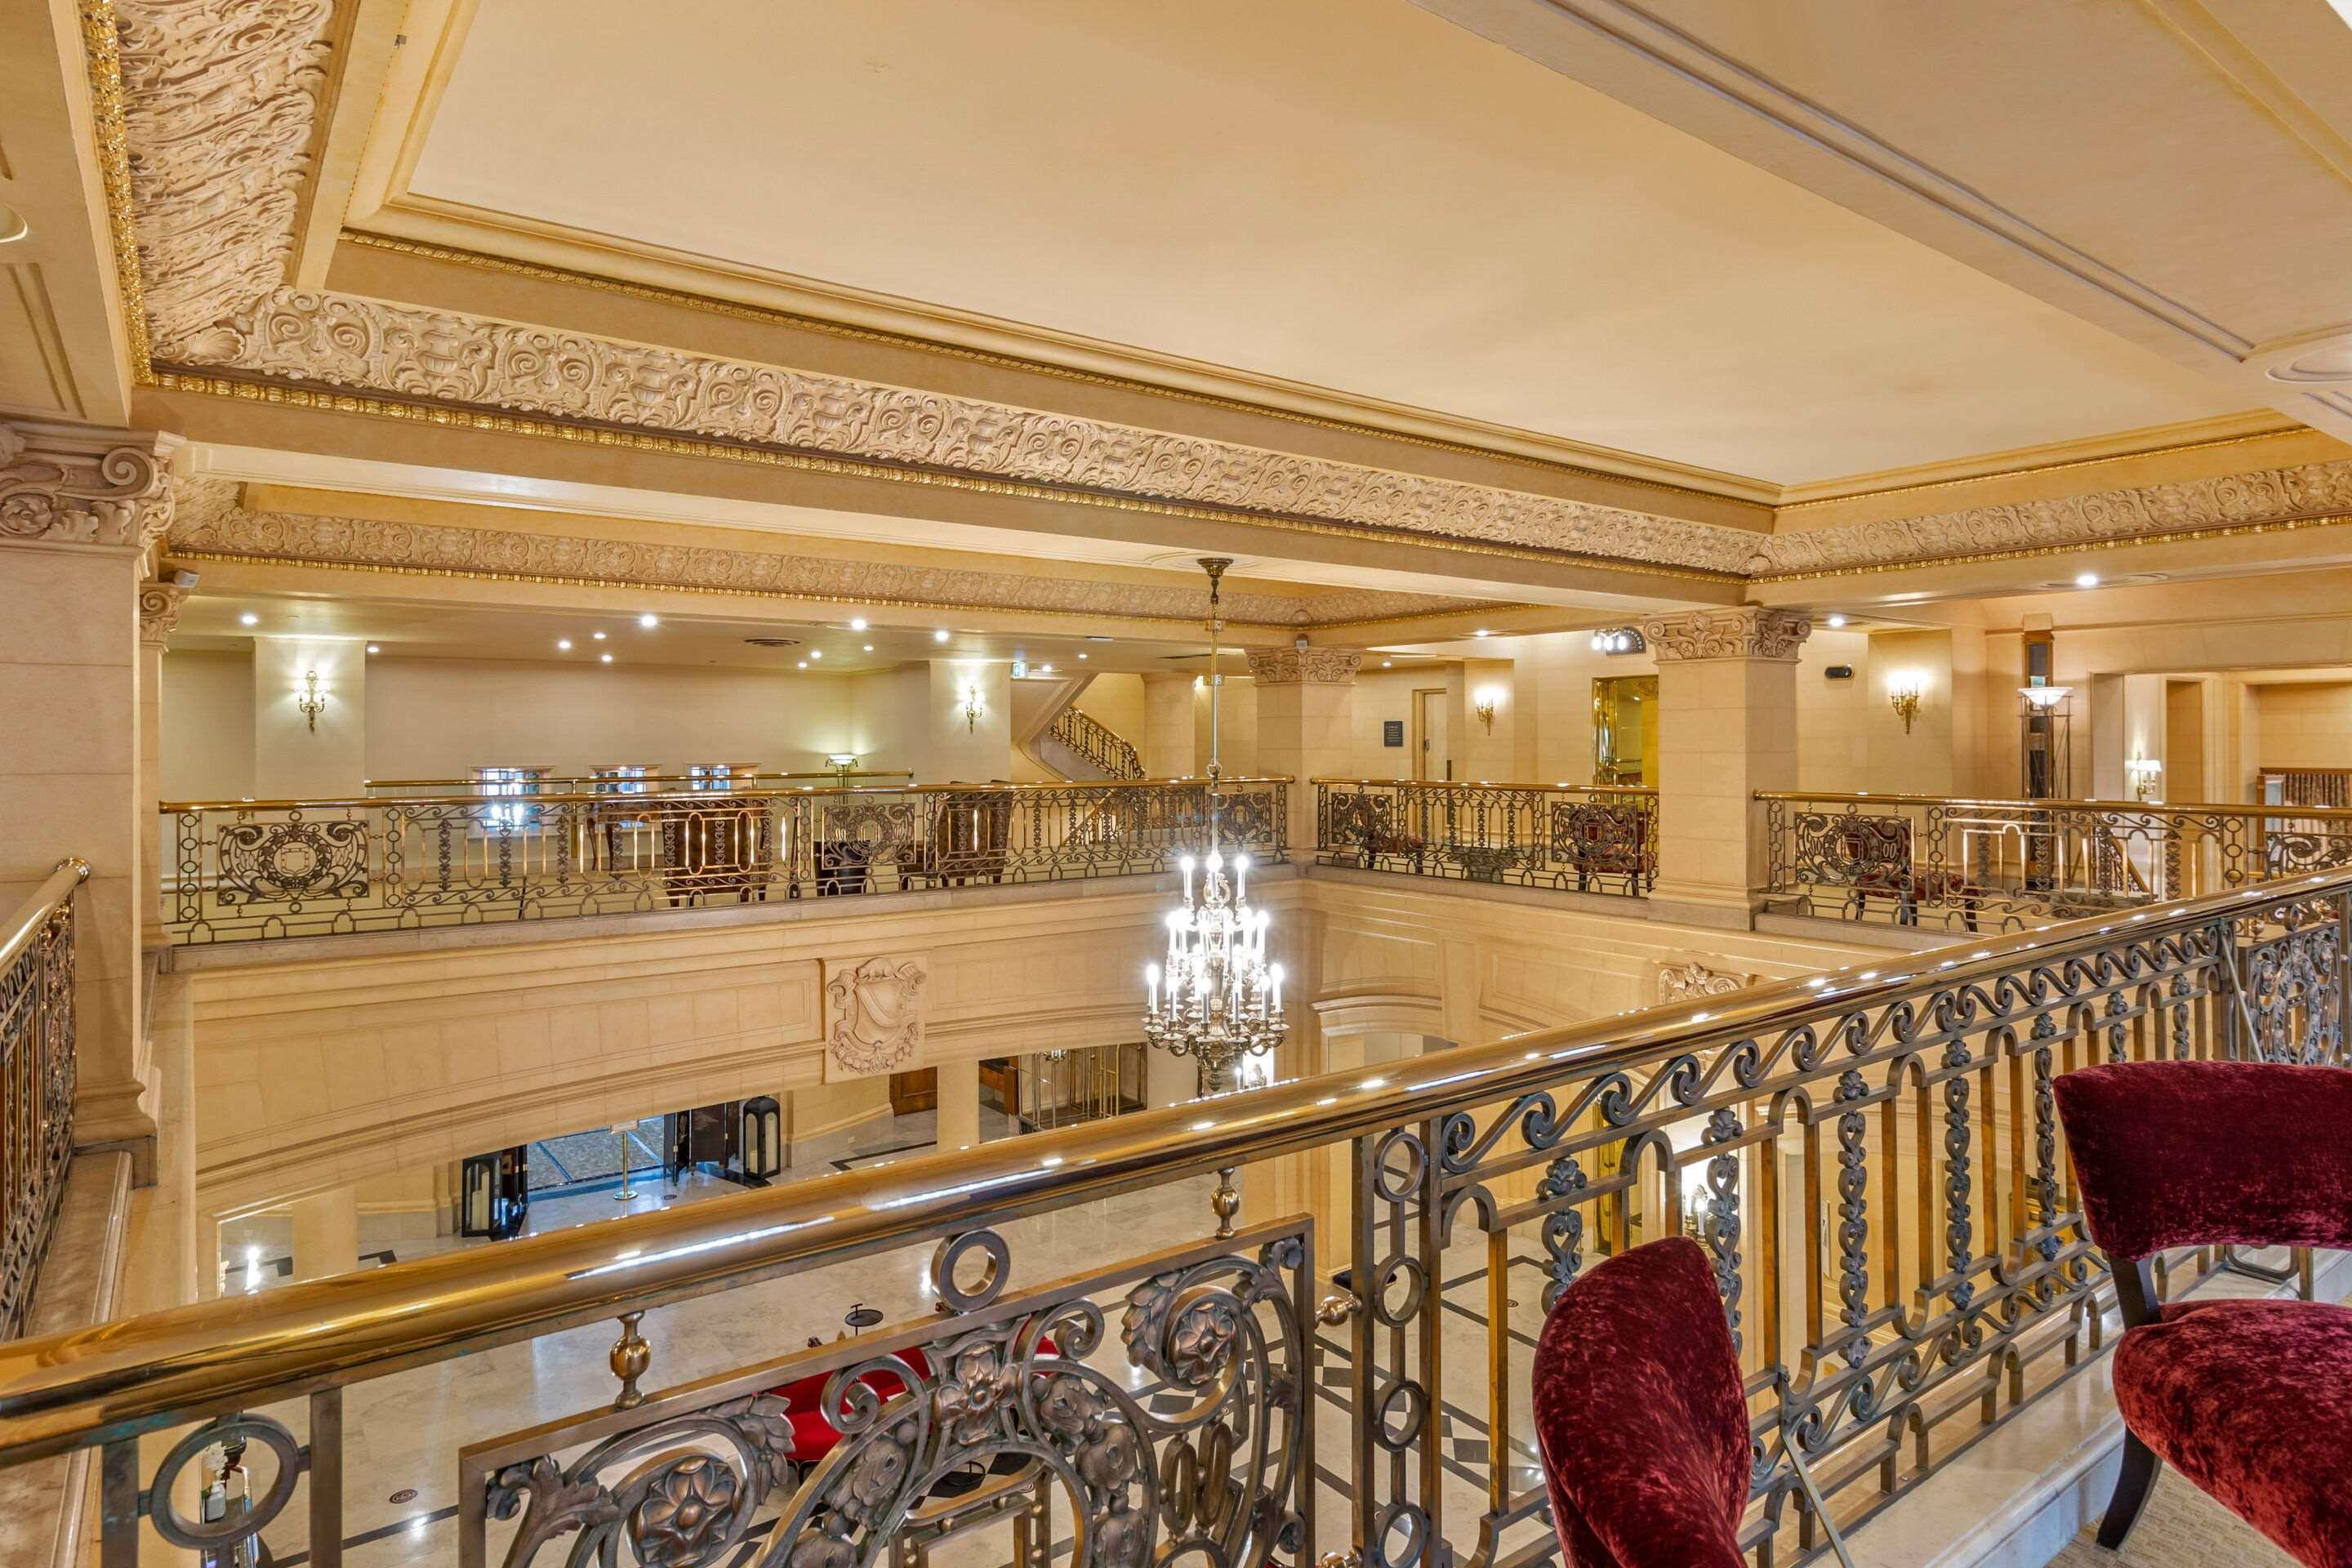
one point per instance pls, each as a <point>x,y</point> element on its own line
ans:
<point>2182,1528</point>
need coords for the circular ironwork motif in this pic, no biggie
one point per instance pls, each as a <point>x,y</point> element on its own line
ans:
<point>197,1534</point>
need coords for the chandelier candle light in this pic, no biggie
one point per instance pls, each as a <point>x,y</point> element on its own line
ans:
<point>1217,999</point>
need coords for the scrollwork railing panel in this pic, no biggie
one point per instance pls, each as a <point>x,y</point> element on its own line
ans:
<point>1596,840</point>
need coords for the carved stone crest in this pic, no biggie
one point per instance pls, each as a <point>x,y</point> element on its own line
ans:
<point>874,1016</point>
<point>1304,666</point>
<point>1681,982</point>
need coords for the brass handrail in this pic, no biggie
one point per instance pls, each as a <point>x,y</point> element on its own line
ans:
<point>710,781</point>
<point>701,797</point>
<point>123,1380</point>
<point>1492,784</point>
<point>2134,807</point>
<point>34,914</point>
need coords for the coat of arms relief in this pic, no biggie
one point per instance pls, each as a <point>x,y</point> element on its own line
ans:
<point>874,1020</point>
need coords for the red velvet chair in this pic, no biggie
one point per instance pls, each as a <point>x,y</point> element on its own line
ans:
<point>1639,1415</point>
<point>2251,1400</point>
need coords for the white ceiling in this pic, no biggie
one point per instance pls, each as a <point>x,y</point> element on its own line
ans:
<point>1351,195</point>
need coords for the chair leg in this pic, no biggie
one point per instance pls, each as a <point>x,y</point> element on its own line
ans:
<point>2132,1486</point>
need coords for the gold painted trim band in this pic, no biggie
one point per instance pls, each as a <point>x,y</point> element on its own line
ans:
<point>2071,547</point>
<point>102,52</point>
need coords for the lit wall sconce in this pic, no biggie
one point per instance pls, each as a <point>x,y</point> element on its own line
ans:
<point>1619,639</point>
<point>312,701</point>
<point>2145,773</point>
<point>1487,700</point>
<point>1903,692</point>
<point>972,708</point>
<point>842,762</point>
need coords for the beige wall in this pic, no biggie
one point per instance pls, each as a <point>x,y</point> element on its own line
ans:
<point>2304,726</point>
<point>1238,748</point>
<point>207,726</point>
<point>430,718</point>
<point>1116,703</point>
<point>1385,696</point>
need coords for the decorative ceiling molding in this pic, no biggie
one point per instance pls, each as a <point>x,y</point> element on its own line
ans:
<point>220,103</point>
<point>219,99</point>
<point>70,485</point>
<point>1304,666</point>
<point>212,524</point>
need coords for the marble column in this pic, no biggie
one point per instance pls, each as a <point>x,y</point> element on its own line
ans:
<point>1169,738</point>
<point>1305,707</point>
<point>1726,728</point>
<point>159,612</point>
<point>79,509</point>
<point>959,1103</point>
<point>326,1234</point>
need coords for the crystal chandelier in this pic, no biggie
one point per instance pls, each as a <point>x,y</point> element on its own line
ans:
<point>1217,999</point>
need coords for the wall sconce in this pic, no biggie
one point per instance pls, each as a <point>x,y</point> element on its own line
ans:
<point>1903,692</point>
<point>1484,705</point>
<point>313,702</point>
<point>841,763</point>
<point>2145,772</point>
<point>1619,639</point>
<point>971,707</point>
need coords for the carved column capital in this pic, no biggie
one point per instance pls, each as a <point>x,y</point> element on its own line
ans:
<point>159,611</point>
<point>1304,666</point>
<point>70,484</point>
<point>1746,631</point>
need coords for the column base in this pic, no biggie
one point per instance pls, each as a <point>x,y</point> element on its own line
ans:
<point>120,1116</point>
<point>1685,903</point>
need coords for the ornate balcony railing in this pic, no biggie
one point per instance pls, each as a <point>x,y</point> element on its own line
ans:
<point>1599,840</point>
<point>624,784</point>
<point>1871,1157</point>
<point>1999,865</point>
<point>274,868</point>
<point>1097,742</point>
<point>37,1081</point>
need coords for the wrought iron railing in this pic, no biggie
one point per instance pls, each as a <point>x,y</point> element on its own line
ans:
<point>274,868</point>
<point>1601,839</point>
<point>1871,1157</point>
<point>1999,865</point>
<point>1097,742</point>
<point>37,1081</point>
<point>629,783</point>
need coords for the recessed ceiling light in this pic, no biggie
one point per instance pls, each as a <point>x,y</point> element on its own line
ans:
<point>858,622</point>
<point>869,647</point>
<point>248,619</point>
<point>1082,656</point>
<point>1386,663</point>
<point>801,665</point>
<point>2087,579</point>
<point>816,653</point>
<point>373,648</point>
<point>1481,632</point>
<point>605,658</point>
<point>563,644</point>
<point>1044,669</point>
<point>649,620</point>
<point>598,636</point>
<point>939,636</point>
<point>1835,622</point>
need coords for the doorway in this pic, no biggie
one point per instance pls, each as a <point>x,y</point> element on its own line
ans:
<point>1625,730</point>
<point>1430,759</point>
<point>2184,742</point>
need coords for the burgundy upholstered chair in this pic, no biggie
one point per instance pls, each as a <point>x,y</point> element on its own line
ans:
<point>2251,1400</point>
<point>1639,1415</point>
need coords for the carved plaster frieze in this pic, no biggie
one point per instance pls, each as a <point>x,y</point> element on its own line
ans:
<point>220,102</point>
<point>2267,495</point>
<point>351,343</point>
<point>68,485</point>
<point>1748,632</point>
<point>1681,982</point>
<point>1304,666</point>
<point>159,611</point>
<point>212,523</point>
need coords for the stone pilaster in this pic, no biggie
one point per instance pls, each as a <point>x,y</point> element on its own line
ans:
<point>79,509</point>
<point>1168,741</point>
<point>1304,707</point>
<point>159,612</point>
<point>1727,728</point>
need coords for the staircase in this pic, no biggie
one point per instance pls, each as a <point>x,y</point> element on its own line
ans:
<point>1078,746</point>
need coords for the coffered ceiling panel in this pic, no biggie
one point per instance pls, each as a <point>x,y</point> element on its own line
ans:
<point>1351,195</point>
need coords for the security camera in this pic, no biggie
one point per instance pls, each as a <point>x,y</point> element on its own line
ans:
<point>1299,642</point>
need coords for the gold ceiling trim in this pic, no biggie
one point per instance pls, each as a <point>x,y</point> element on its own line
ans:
<point>769,315</point>
<point>2071,547</point>
<point>102,56</point>
<point>465,417</point>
